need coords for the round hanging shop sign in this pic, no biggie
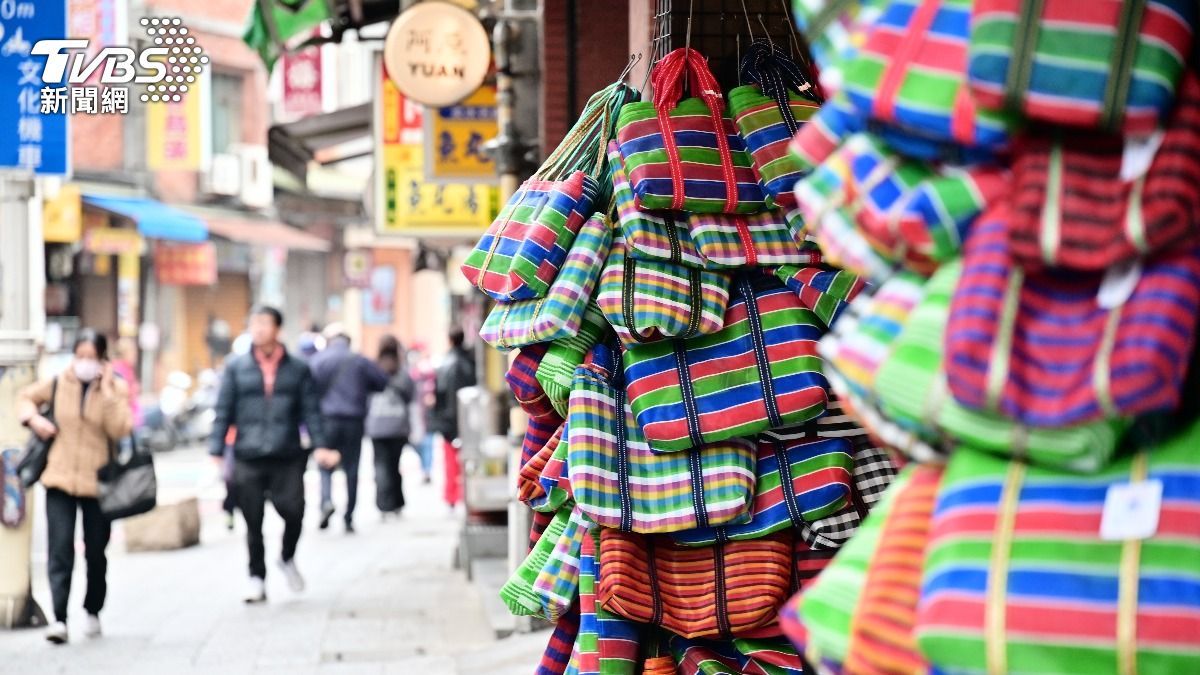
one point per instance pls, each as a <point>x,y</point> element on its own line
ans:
<point>437,53</point>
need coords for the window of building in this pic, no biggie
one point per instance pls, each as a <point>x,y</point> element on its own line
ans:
<point>226,111</point>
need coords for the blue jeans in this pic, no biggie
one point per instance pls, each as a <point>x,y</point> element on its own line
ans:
<point>346,436</point>
<point>425,450</point>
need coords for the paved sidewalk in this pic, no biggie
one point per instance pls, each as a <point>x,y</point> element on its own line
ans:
<point>385,600</point>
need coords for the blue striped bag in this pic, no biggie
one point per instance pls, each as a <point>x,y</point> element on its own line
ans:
<point>559,314</point>
<point>761,371</point>
<point>660,236</point>
<point>556,370</point>
<point>620,483</point>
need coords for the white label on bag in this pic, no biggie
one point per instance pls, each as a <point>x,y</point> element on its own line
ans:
<point>1131,510</point>
<point>1139,153</point>
<point>1118,283</point>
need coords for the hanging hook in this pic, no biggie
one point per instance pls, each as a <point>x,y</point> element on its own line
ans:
<point>791,25</point>
<point>662,32</point>
<point>634,59</point>
<point>747,15</point>
<point>767,32</point>
<point>688,40</point>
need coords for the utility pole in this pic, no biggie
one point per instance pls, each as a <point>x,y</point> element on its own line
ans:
<point>22,327</point>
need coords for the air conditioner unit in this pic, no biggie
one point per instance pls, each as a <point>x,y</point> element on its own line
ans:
<point>258,185</point>
<point>224,177</point>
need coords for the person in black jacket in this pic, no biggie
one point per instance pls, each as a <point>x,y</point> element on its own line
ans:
<point>268,395</point>
<point>457,371</point>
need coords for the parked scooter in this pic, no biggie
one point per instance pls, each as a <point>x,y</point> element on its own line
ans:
<point>180,417</point>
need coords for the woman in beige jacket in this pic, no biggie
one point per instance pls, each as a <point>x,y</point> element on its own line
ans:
<point>91,412</point>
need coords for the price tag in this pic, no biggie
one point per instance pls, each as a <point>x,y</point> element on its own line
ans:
<point>1138,155</point>
<point>1131,510</point>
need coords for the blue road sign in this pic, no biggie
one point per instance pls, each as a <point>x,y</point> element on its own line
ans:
<point>30,140</point>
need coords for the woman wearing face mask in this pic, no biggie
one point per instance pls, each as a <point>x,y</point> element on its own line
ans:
<point>91,410</point>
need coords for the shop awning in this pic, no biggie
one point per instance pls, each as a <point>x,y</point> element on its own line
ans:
<point>154,219</point>
<point>266,233</point>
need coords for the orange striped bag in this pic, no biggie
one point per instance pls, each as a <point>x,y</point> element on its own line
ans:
<point>729,589</point>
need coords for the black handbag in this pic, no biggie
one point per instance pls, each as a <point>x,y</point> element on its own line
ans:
<point>37,451</point>
<point>127,485</point>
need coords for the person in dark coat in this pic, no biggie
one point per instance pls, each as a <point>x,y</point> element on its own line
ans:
<point>389,426</point>
<point>345,380</point>
<point>268,394</point>
<point>457,371</point>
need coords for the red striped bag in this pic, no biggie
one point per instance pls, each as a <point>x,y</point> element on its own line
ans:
<point>656,236</point>
<point>522,381</point>
<point>687,156</point>
<point>1060,348</point>
<point>1072,207</point>
<point>650,579</point>
<point>764,238</point>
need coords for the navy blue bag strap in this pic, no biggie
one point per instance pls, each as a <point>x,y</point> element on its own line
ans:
<point>760,351</point>
<point>776,74</point>
<point>617,382</point>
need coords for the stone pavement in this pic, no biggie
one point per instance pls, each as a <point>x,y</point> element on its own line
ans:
<point>385,600</point>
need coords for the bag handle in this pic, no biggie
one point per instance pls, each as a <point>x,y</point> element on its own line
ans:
<point>776,75</point>
<point>884,106</point>
<point>1120,71</point>
<point>668,79</point>
<point>616,380</point>
<point>785,480</point>
<point>760,351</point>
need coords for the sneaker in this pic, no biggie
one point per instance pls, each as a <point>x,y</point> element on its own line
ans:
<point>294,580</point>
<point>92,627</point>
<point>229,521</point>
<point>349,527</point>
<point>256,591</point>
<point>326,514</point>
<point>57,633</point>
<point>427,479</point>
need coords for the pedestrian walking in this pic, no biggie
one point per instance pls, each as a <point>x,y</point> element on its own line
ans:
<point>345,379</point>
<point>388,426</point>
<point>424,377</point>
<point>268,394</point>
<point>457,371</point>
<point>90,407</point>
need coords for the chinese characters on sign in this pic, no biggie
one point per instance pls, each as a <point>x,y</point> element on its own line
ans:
<point>437,53</point>
<point>174,132</point>
<point>302,83</point>
<point>455,136</point>
<point>37,141</point>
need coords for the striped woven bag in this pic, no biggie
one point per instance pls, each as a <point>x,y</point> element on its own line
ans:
<point>620,483</point>
<point>559,314</point>
<point>646,301</point>
<point>556,370</point>
<point>1018,577</point>
<point>912,391</point>
<point>768,112</point>
<point>764,238</point>
<point>521,594</point>
<point>874,470</point>
<point>529,484</point>
<point>520,255</point>
<point>761,371</point>
<point>834,32</point>
<point>1071,207</point>
<point>804,473</point>
<point>650,579</point>
<point>557,655</point>
<point>674,154</point>
<point>654,236</point>
<point>522,381</point>
<point>1005,350</point>
<point>607,644</point>
<point>827,292</point>
<point>749,656</point>
<point>1106,64</point>
<point>869,209</point>
<point>824,132</point>
<point>910,77</point>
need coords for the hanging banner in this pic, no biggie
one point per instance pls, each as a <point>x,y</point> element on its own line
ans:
<point>112,241</point>
<point>185,264</point>
<point>102,22</point>
<point>129,277</point>
<point>406,202</point>
<point>454,138</point>
<point>176,131</point>
<point>62,216</point>
<point>302,82</point>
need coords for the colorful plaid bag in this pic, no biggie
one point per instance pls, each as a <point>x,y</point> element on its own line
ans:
<point>912,391</point>
<point>1106,64</point>
<point>826,606</point>
<point>649,235</point>
<point>748,656</point>
<point>827,292</point>
<point>834,32</point>
<point>522,381</point>
<point>557,582</point>
<point>608,644</point>
<point>768,112</point>
<point>761,371</point>
<point>529,484</point>
<point>520,254</point>
<point>538,433</point>
<point>1005,346</point>
<point>764,238</point>
<point>870,209</point>
<point>620,483</point>
<point>910,77</point>
<point>687,156</point>
<point>557,367</point>
<point>647,300</point>
<point>874,470</point>
<point>557,655</point>
<point>804,473</point>
<point>824,132</point>
<point>559,314</point>
<point>650,579</point>
<point>1021,577</point>
<point>519,593</point>
<point>1071,207</point>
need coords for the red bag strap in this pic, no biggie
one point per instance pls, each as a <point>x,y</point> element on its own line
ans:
<point>668,78</point>
<point>889,84</point>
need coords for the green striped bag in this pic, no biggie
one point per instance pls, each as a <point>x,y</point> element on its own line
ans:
<point>647,301</point>
<point>560,313</point>
<point>1032,569</point>
<point>650,235</point>
<point>834,31</point>
<point>764,239</point>
<point>912,390</point>
<point>557,367</point>
<point>827,605</point>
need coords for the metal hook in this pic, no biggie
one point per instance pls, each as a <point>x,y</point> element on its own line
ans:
<point>688,40</point>
<point>747,15</point>
<point>662,31</point>
<point>767,32</point>
<point>634,59</point>
<point>791,25</point>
